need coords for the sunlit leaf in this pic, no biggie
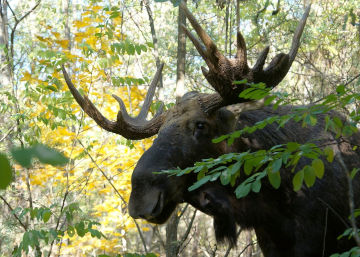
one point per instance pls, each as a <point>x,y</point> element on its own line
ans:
<point>318,166</point>
<point>298,180</point>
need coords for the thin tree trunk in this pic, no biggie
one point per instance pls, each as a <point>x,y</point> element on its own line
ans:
<point>5,69</point>
<point>171,244</point>
<point>227,26</point>
<point>181,56</point>
<point>154,37</point>
<point>237,16</point>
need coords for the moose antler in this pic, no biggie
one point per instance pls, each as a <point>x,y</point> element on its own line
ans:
<point>125,125</point>
<point>223,71</point>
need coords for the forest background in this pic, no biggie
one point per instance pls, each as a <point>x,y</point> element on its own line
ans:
<point>73,201</point>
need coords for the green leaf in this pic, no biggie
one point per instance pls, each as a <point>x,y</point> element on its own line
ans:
<point>5,171</point>
<point>46,215</point>
<point>242,190</point>
<point>292,146</point>
<point>269,99</point>
<point>354,172</point>
<point>22,156</point>
<point>50,156</point>
<point>340,89</point>
<point>80,229</point>
<point>318,166</point>
<point>199,183</point>
<point>248,167</point>
<point>235,167</point>
<point>298,180</point>
<point>138,49</point>
<point>309,176</point>
<point>71,231</point>
<point>274,179</point>
<point>328,151</point>
<point>276,165</point>
<point>219,139</point>
<point>256,186</point>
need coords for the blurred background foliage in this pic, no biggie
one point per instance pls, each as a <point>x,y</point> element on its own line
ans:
<point>109,47</point>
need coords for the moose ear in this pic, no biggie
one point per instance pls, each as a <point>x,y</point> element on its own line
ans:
<point>225,119</point>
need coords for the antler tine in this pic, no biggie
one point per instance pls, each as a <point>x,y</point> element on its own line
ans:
<point>213,53</point>
<point>199,47</point>
<point>150,93</point>
<point>125,125</point>
<point>280,65</point>
<point>260,62</point>
<point>241,53</point>
<point>299,30</point>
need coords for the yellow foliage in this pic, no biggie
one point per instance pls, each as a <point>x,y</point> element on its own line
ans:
<point>64,43</point>
<point>109,155</point>
<point>96,8</point>
<point>80,24</point>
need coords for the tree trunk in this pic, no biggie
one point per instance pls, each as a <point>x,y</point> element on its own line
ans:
<point>5,69</point>
<point>154,37</point>
<point>181,56</point>
<point>171,244</point>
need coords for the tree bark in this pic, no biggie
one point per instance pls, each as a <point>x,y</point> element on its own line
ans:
<point>5,69</point>
<point>154,37</point>
<point>171,244</point>
<point>181,56</point>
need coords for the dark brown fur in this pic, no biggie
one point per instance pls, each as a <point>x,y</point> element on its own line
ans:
<point>287,223</point>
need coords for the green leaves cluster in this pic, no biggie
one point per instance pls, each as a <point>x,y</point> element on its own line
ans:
<point>252,167</point>
<point>353,252</point>
<point>33,238</point>
<point>130,48</point>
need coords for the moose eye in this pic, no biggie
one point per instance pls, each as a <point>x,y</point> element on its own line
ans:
<point>200,125</point>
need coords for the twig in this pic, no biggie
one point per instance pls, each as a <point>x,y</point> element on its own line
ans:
<point>351,200</point>
<point>154,37</point>
<point>334,212</point>
<point>325,231</point>
<point>102,172</point>
<point>156,229</point>
<point>58,221</point>
<point>230,247</point>
<point>351,80</point>
<point>187,232</point>
<point>7,133</point>
<point>17,21</point>
<point>14,214</point>
<point>116,191</point>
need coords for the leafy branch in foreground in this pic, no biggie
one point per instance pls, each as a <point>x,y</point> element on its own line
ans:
<point>257,165</point>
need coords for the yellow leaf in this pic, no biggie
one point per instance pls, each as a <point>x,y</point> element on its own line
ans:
<point>26,77</point>
<point>80,24</point>
<point>56,34</point>
<point>96,8</point>
<point>64,43</point>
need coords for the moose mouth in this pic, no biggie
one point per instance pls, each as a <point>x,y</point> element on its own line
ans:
<point>161,211</point>
<point>156,211</point>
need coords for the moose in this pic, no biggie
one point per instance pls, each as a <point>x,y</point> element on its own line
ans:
<point>287,223</point>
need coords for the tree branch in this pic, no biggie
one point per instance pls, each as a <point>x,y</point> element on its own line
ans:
<point>13,213</point>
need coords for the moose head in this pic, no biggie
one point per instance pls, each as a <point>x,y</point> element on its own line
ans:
<point>185,134</point>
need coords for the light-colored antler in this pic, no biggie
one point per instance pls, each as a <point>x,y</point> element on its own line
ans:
<point>125,125</point>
